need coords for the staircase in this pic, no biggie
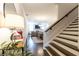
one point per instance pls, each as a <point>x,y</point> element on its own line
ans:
<point>62,38</point>
<point>66,43</point>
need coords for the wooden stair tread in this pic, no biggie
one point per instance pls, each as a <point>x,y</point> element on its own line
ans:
<point>67,48</point>
<point>60,53</point>
<point>69,37</point>
<point>67,41</point>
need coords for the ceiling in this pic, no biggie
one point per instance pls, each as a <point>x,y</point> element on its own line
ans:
<point>41,11</point>
<point>47,12</point>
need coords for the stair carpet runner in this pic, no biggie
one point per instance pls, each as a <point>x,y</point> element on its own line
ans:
<point>66,43</point>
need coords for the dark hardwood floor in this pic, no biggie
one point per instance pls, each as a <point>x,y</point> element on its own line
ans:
<point>35,48</point>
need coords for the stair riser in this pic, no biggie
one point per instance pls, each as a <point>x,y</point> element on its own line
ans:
<point>74,26</point>
<point>69,34</point>
<point>71,29</point>
<point>71,38</point>
<point>73,33</point>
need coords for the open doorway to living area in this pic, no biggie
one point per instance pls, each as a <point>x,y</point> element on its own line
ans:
<point>35,36</point>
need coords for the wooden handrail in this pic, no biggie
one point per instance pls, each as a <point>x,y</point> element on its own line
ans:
<point>62,18</point>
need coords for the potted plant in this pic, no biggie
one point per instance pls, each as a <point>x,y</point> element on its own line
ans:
<point>14,49</point>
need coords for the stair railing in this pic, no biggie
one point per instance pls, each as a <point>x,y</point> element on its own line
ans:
<point>60,25</point>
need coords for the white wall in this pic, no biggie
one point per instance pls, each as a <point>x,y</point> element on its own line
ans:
<point>13,20</point>
<point>5,34</point>
<point>1,14</point>
<point>64,8</point>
